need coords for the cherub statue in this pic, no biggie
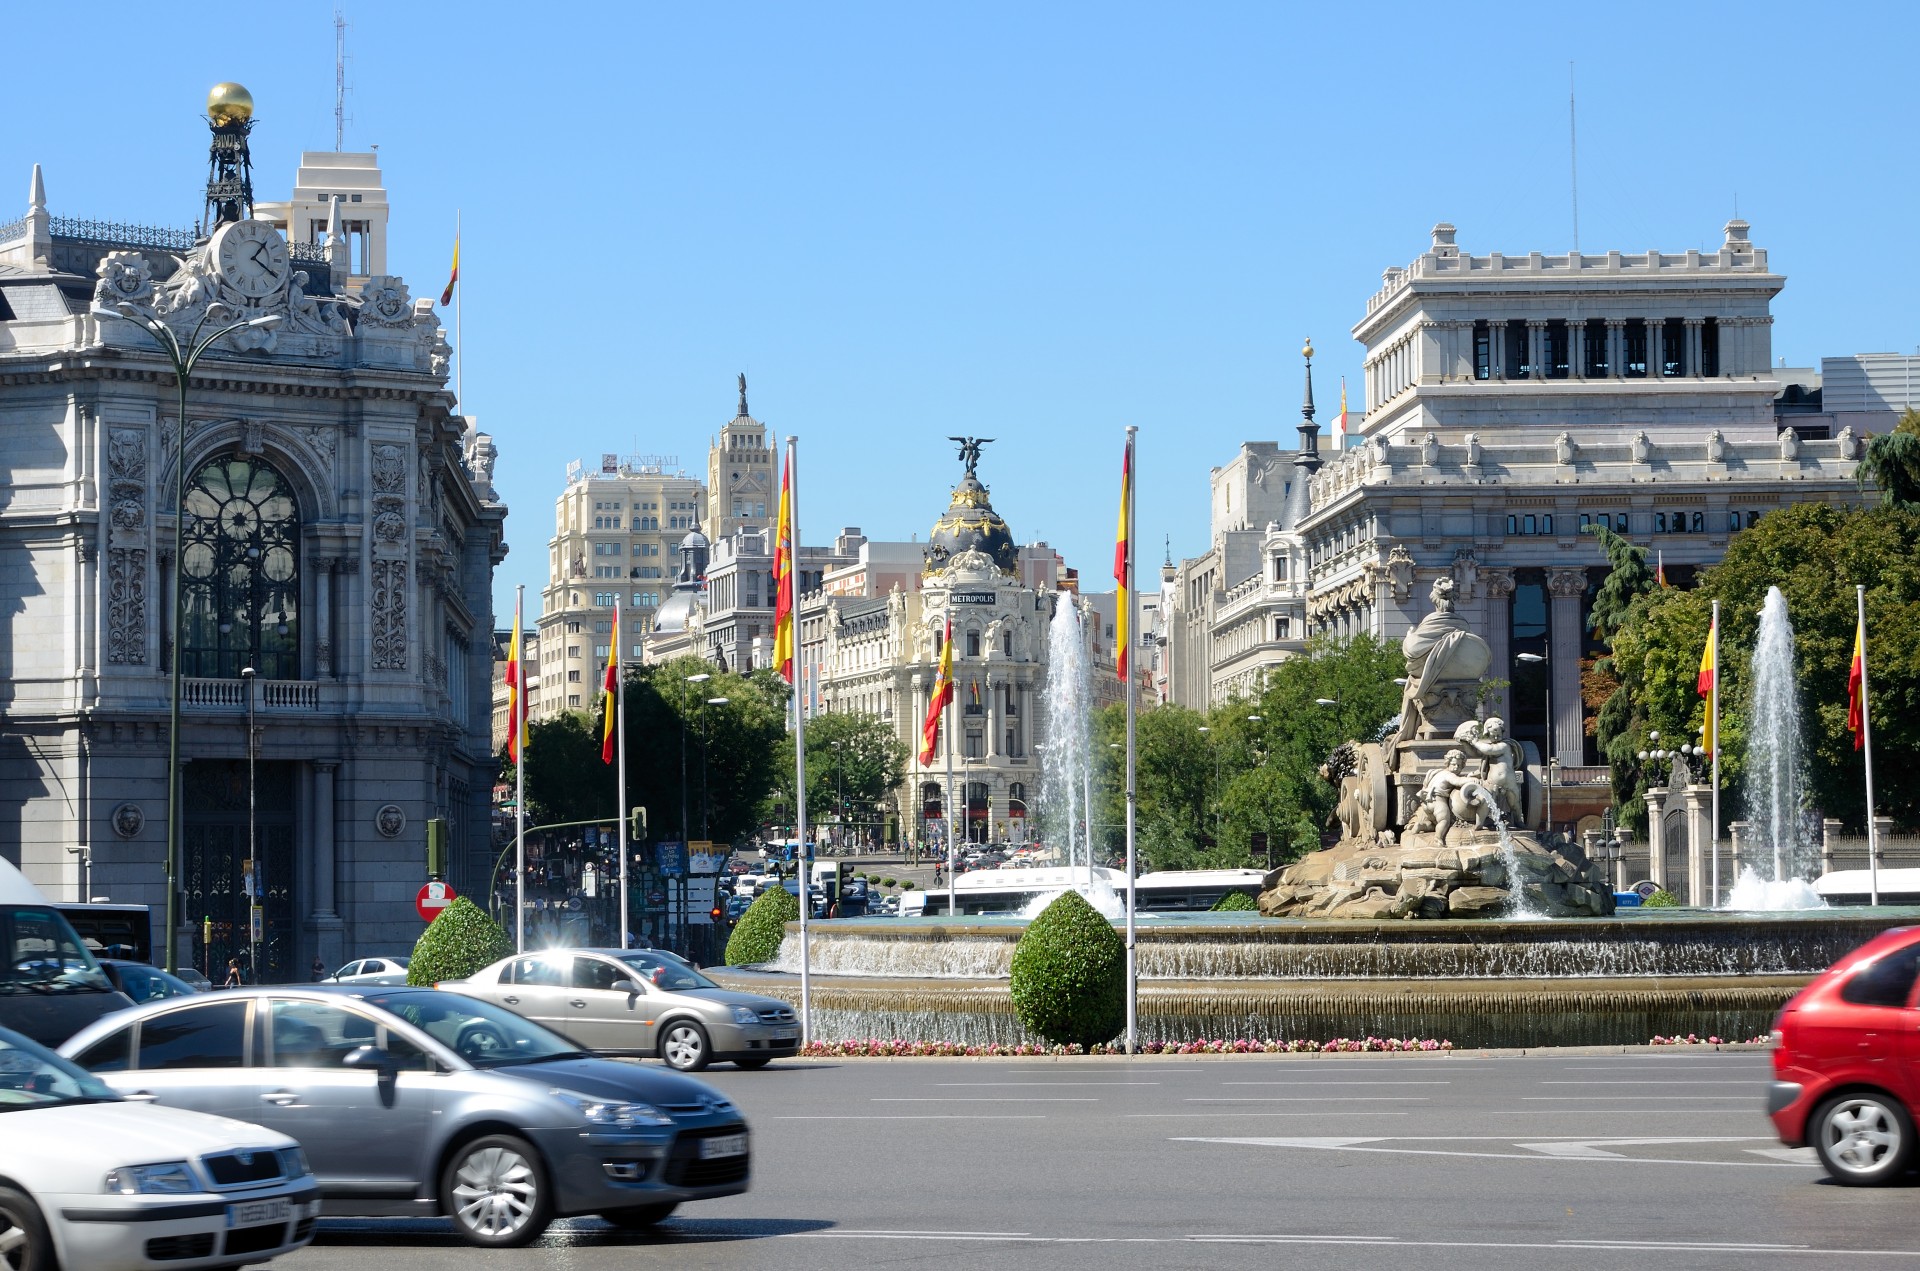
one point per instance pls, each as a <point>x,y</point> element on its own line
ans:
<point>1504,761</point>
<point>1451,794</point>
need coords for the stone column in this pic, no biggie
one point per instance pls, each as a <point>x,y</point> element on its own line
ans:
<point>1566,587</point>
<point>1497,348</point>
<point>1657,838</point>
<point>1498,584</point>
<point>1829,836</point>
<point>1616,348</point>
<point>321,849</point>
<point>1576,349</point>
<point>1698,802</point>
<point>1694,363</point>
<point>996,689</point>
<point>323,616</point>
<point>1536,348</point>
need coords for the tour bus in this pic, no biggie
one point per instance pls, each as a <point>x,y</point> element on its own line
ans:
<point>50,985</point>
<point>1856,887</point>
<point>1008,891</point>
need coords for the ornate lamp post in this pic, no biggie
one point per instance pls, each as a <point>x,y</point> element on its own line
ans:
<point>184,355</point>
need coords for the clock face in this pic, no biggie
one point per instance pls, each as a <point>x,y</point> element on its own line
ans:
<point>251,257</point>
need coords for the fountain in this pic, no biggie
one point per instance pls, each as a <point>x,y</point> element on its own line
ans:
<point>1066,772</point>
<point>1775,787</point>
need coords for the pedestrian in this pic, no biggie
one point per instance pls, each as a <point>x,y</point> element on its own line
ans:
<point>319,969</point>
<point>234,979</point>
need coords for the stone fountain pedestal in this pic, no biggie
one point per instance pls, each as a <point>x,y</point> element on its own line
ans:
<point>1472,876</point>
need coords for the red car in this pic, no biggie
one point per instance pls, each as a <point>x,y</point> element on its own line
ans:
<point>1846,1062</point>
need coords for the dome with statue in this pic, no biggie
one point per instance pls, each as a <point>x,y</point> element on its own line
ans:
<point>970,524</point>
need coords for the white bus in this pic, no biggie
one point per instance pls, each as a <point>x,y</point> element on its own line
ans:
<point>1008,891</point>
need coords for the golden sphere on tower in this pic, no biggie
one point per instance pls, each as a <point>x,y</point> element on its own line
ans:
<point>1306,349</point>
<point>229,103</point>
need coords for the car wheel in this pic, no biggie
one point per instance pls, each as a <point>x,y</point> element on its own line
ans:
<point>753,1063</point>
<point>494,1192</point>
<point>1863,1139</point>
<point>24,1242</point>
<point>640,1217</point>
<point>684,1046</point>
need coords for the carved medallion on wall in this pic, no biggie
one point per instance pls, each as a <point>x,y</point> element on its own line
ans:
<point>390,820</point>
<point>128,820</point>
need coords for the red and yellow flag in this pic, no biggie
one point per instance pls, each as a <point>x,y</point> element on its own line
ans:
<point>1340,420</point>
<point>942,694</point>
<point>1857,687</point>
<point>1660,568</point>
<point>513,690</point>
<point>446,297</point>
<point>1122,557</point>
<point>783,577</point>
<point>611,687</point>
<point>1708,684</point>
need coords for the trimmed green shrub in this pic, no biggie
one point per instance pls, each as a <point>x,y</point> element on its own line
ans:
<point>1070,974</point>
<point>1234,900</point>
<point>1662,899</point>
<point>461,939</point>
<point>909,885</point>
<point>889,882</point>
<point>763,926</point>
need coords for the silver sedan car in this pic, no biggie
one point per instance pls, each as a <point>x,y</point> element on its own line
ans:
<point>411,1101</point>
<point>639,1002</point>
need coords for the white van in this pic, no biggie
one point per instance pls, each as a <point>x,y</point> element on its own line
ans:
<point>50,986</point>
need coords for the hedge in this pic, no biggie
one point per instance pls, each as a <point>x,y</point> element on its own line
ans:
<point>1234,900</point>
<point>758,935</point>
<point>460,940</point>
<point>1069,975</point>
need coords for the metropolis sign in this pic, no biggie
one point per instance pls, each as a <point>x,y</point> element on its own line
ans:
<point>973,598</point>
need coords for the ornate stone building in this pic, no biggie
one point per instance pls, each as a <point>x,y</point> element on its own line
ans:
<point>340,536</point>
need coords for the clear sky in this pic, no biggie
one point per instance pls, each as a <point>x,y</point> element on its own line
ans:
<point>1033,222</point>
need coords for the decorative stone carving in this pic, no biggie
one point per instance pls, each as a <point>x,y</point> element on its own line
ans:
<point>128,819</point>
<point>1849,443</point>
<point>324,442</point>
<point>125,278</point>
<point>1379,452</point>
<point>389,526</point>
<point>1564,448</point>
<point>1466,573</point>
<point>1642,447</point>
<point>389,615</point>
<point>1789,444</point>
<point>127,483</point>
<point>390,820</point>
<point>1474,452</point>
<point>384,302</point>
<point>1566,582</point>
<point>1400,572</point>
<point>1497,582</point>
<point>311,316</point>
<point>127,606</point>
<point>389,469</point>
<point>1716,447</point>
<point>1429,450</point>
<point>252,437</point>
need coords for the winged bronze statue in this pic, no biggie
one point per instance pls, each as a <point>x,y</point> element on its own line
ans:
<point>970,450</point>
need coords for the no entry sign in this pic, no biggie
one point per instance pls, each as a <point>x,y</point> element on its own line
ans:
<point>432,899</point>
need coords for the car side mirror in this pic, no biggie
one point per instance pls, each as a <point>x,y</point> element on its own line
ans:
<point>386,1069</point>
<point>632,988</point>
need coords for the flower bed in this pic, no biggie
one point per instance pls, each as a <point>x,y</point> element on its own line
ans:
<point>897,1048</point>
<point>1710,1040</point>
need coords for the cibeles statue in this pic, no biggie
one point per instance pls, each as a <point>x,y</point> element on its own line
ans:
<point>1446,662</point>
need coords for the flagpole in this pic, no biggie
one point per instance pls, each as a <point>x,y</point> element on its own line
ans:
<point>1133,1021</point>
<point>1713,706</point>
<point>1866,743</point>
<point>459,327</point>
<point>620,727</point>
<point>520,782</point>
<point>953,857</point>
<point>800,742</point>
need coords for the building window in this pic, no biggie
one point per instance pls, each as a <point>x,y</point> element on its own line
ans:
<point>1596,359</point>
<point>1006,644</point>
<point>573,650</point>
<point>573,699</point>
<point>1586,519</point>
<point>606,599</point>
<point>1710,348</point>
<point>1279,569</point>
<point>1673,360</point>
<point>973,644</point>
<point>573,677</point>
<point>240,572</point>
<point>752,595</point>
<point>1554,338</point>
<point>1733,520</point>
<point>1513,524</point>
<point>1283,628</point>
<point>1633,336</point>
<point>1482,351</point>
<point>1699,522</point>
<point>1527,524</point>
<point>1659,522</point>
<point>973,746</point>
<point>1620,523</point>
<point>1546,523</point>
<point>1517,365</point>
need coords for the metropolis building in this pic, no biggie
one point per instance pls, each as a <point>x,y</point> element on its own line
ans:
<point>339,542</point>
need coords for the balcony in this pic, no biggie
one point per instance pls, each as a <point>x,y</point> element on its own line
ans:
<point>231,695</point>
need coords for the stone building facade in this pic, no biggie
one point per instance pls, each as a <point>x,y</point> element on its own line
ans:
<point>340,541</point>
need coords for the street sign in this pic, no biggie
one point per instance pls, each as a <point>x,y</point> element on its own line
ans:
<point>1645,888</point>
<point>432,898</point>
<point>672,859</point>
<point>258,926</point>
<point>700,900</point>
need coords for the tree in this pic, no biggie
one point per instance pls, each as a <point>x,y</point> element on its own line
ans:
<point>460,940</point>
<point>1892,462</point>
<point>1069,975</point>
<point>1628,579</point>
<point>851,756</point>
<point>565,779</point>
<point>1814,553</point>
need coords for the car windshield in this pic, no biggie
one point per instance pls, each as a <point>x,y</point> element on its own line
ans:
<point>663,972</point>
<point>43,955</point>
<point>31,1076</point>
<point>481,1033</point>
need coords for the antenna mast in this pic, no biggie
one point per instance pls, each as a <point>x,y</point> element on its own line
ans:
<point>1573,156</point>
<point>339,80</point>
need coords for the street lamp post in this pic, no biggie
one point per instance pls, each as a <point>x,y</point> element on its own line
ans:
<point>184,358</point>
<point>706,744</point>
<point>701,678</point>
<point>256,870</point>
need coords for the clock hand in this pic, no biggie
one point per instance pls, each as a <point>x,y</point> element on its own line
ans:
<point>257,249</point>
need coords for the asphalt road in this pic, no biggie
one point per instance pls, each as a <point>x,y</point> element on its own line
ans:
<point>1558,1159</point>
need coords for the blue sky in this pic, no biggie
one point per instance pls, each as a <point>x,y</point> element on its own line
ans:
<point>1039,223</point>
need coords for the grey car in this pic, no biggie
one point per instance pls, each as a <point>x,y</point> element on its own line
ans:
<point>639,1002</point>
<point>412,1101</point>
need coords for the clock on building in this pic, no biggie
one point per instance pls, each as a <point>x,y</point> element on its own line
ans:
<point>251,257</point>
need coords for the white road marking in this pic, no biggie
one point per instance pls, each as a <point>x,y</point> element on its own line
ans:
<point>1311,1098</point>
<point>1596,1245</point>
<point>1646,1098</point>
<point>961,1098</point>
<point>1342,1113</point>
<point>1798,1155</point>
<point>1366,1145</point>
<point>1642,1081</point>
<point>1044,1085</point>
<point>1311,1082</point>
<point>1597,1148</point>
<point>931,1116</point>
<point>1692,1065</point>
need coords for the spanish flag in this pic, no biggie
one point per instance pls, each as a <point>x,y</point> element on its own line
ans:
<point>446,297</point>
<point>783,577</point>
<point>612,686</point>
<point>1857,687</point>
<point>1340,420</point>
<point>513,690</point>
<point>942,694</point>
<point>1708,684</point>
<point>1122,560</point>
<point>1660,568</point>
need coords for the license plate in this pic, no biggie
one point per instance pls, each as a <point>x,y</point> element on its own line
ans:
<point>726,1145</point>
<point>252,1213</point>
<point>786,1037</point>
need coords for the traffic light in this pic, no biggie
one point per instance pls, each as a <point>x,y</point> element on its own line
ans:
<point>437,847</point>
<point>637,825</point>
<point>844,872</point>
<point>716,912</point>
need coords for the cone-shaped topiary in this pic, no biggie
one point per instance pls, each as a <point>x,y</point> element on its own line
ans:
<point>763,926</point>
<point>460,940</point>
<point>1070,974</point>
<point>1234,900</point>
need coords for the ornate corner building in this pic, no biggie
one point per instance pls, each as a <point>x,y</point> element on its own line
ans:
<point>338,541</point>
